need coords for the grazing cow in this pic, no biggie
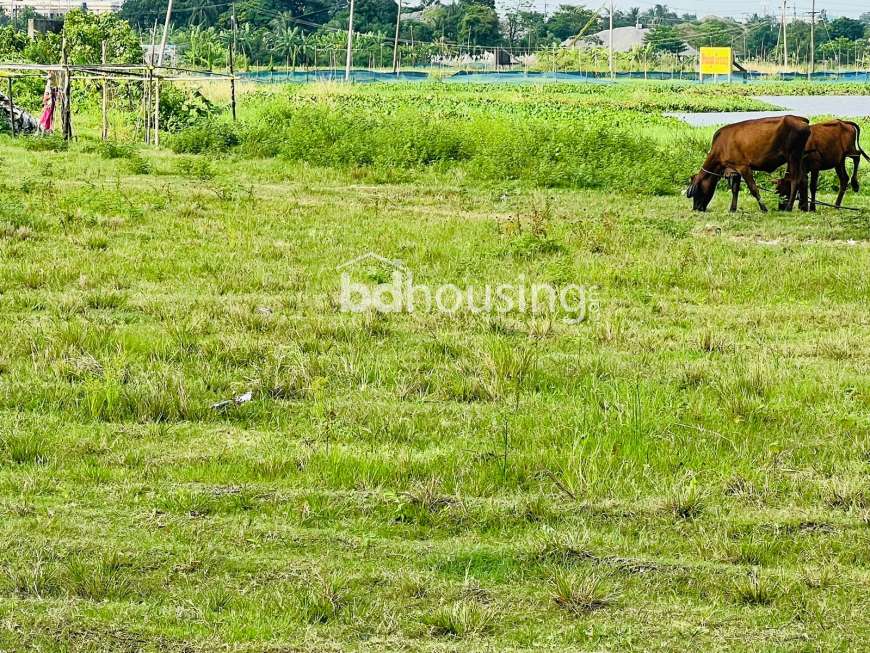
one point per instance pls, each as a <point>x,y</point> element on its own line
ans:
<point>830,144</point>
<point>762,144</point>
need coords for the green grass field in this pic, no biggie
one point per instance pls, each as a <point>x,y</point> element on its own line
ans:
<point>686,469</point>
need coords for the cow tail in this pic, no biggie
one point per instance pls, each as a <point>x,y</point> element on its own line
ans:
<point>858,139</point>
<point>857,159</point>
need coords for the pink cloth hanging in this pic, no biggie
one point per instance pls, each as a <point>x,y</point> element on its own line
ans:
<point>49,100</point>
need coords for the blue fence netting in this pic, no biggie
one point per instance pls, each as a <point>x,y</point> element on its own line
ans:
<point>519,76</point>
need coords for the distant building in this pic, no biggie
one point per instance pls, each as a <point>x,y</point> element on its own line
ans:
<point>40,25</point>
<point>57,8</point>
<point>625,39</point>
<point>170,55</point>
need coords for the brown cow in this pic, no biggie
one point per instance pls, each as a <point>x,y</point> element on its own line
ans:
<point>762,144</point>
<point>830,144</point>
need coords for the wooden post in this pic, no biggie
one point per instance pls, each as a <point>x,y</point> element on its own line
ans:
<point>104,134</point>
<point>11,111</point>
<point>146,82</point>
<point>66,112</point>
<point>157,111</point>
<point>396,40</point>
<point>348,61</point>
<point>163,38</point>
<point>146,92</point>
<point>233,66</point>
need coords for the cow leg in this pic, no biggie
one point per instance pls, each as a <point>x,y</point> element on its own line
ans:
<point>814,188</point>
<point>795,168</point>
<point>803,195</point>
<point>746,173</point>
<point>735,191</point>
<point>844,182</point>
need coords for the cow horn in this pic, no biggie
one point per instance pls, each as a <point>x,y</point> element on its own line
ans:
<point>690,192</point>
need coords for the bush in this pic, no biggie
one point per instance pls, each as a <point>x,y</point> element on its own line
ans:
<point>193,167</point>
<point>45,143</point>
<point>114,150</point>
<point>138,165</point>
<point>206,137</point>
<point>182,108</point>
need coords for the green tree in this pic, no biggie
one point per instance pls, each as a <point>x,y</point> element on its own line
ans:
<point>568,21</point>
<point>285,39</point>
<point>85,33</point>
<point>712,33</point>
<point>664,38</point>
<point>479,25</point>
<point>848,28</point>
<point>12,42</point>
<point>369,16</point>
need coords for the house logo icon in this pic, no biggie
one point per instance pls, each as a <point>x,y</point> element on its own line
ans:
<point>371,258</point>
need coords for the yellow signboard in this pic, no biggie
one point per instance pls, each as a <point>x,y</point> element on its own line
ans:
<point>716,61</point>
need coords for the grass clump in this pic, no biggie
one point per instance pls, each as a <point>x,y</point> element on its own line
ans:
<point>105,576</point>
<point>37,580</point>
<point>756,589</point>
<point>24,449</point>
<point>685,500</point>
<point>461,619</point>
<point>580,593</point>
<point>321,601</point>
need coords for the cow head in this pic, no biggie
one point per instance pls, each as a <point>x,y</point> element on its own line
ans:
<point>783,189</point>
<point>701,189</point>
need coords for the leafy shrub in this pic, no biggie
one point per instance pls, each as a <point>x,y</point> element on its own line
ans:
<point>182,108</point>
<point>205,137</point>
<point>138,165</point>
<point>114,150</point>
<point>45,143</point>
<point>194,167</point>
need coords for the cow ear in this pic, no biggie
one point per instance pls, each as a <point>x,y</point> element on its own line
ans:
<point>690,192</point>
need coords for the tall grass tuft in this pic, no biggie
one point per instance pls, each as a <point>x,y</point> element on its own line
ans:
<point>581,593</point>
<point>322,600</point>
<point>462,619</point>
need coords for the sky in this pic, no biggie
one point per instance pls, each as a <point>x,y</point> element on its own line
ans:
<point>733,8</point>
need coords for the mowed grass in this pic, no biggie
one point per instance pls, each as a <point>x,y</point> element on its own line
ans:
<point>686,469</point>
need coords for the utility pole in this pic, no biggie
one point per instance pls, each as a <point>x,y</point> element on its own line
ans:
<point>349,59</point>
<point>396,40</point>
<point>784,38</point>
<point>163,38</point>
<point>610,42</point>
<point>813,40</point>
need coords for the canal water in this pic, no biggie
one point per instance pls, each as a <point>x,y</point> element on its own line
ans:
<point>808,106</point>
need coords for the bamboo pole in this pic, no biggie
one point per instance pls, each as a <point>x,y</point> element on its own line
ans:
<point>104,134</point>
<point>11,110</point>
<point>157,111</point>
<point>146,100</point>
<point>66,109</point>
